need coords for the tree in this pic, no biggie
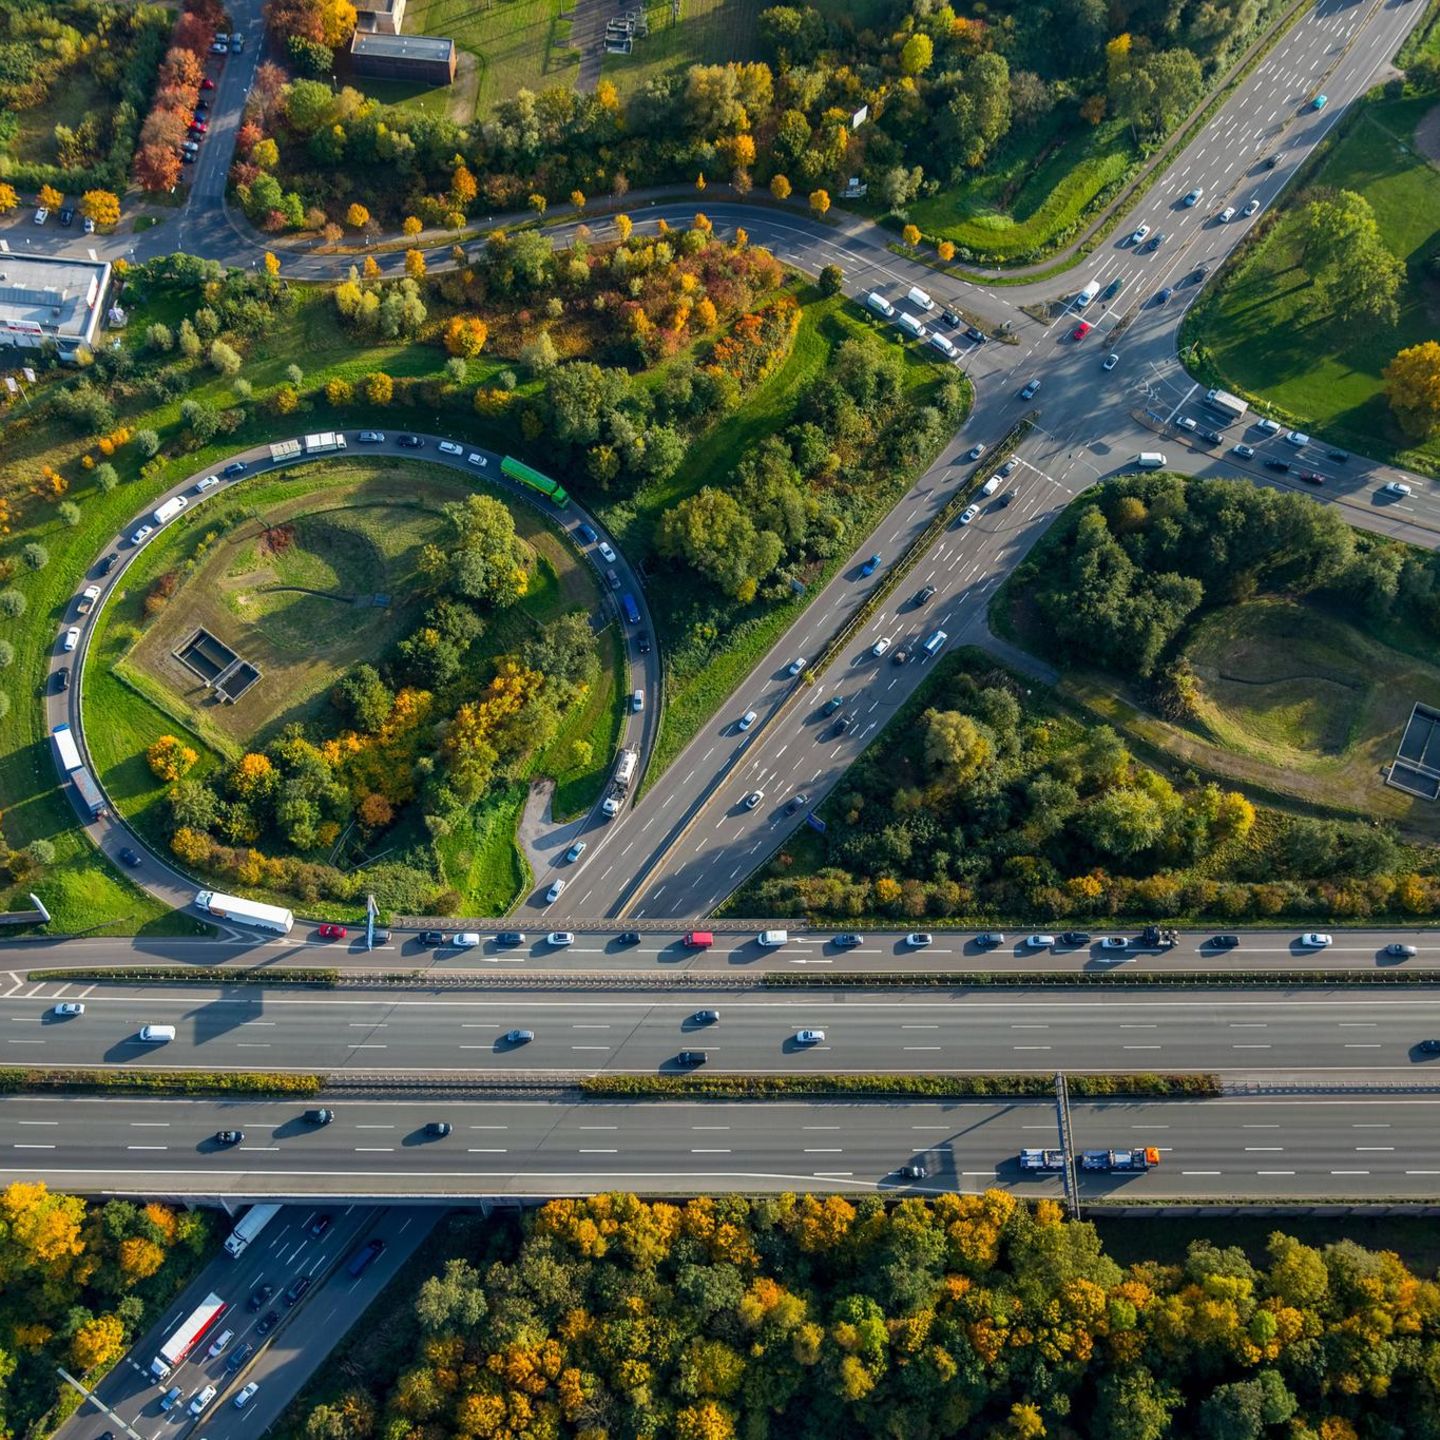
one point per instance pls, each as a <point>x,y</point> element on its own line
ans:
<point>1345,256</point>
<point>157,166</point>
<point>465,335</point>
<point>415,264</point>
<point>379,388</point>
<point>1412,385</point>
<point>100,206</point>
<point>916,54</point>
<point>819,202</point>
<point>224,358</point>
<point>49,197</point>
<point>539,355</point>
<point>538,203</point>
<point>911,235</point>
<point>68,512</point>
<point>42,852</point>
<point>1156,92</point>
<point>1246,1409</point>
<point>8,198</point>
<point>106,477</point>
<point>97,1343</point>
<point>364,698</point>
<point>832,280</point>
<point>7,654</point>
<point>357,217</point>
<point>411,225</point>
<point>35,555</point>
<point>780,187</point>
<point>452,1300</point>
<point>272,263</point>
<point>623,226</point>
<point>714,534</point>
<point>169,758</point>
<point>956,745</point>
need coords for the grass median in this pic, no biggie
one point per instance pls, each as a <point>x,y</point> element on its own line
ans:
<point>252,1083</point>
<point>912,1087</point>
<point>189,975</point>
<point>1115,979</point>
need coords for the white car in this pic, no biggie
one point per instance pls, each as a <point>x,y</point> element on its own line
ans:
<point>246,1395</point>
<point>219,1346</point>
<point>746,720</point>
<point>1009,468</point>
<point>465,940</point>
<point>72,638</point>
<point>991,485</point>
<point>449,447</point>
<point>1186,423</point>
<point>1268,426</point>
<point>754,798</point>
<point>219,47</point>
<point>975,452</point>
<point>575,851</point>
<point>66,1008</point>
<point>208,483</point>
<point>797,665</point>
<point>880,646</point>
<point>1110,362</point>
<point>41,215</point>
<point>1395,487</point>
<point>561,938</point>
<point>1193,198</point>
<point>139,536</point>
<point>1139,233</point>
<point>1245,452</point>
<point>608,551</point>
<point>1316,941</point>
<point>202,1399</point>
<point>919,939</point>
<point>1115,942</point>
<point>809,1037</point>
<point>969,513</point>
<point>1298,438</point>
<point>1251,208</point>
<point>1039,942</point>
<point>554,892</point>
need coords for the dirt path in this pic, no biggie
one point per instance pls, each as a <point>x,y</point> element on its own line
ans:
<point>466,89</point>
<point>1427,136</point>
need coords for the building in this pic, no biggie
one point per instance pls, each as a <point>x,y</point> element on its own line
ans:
<point>379,17</point>
<point>421,58</point>
<point>51,298</point>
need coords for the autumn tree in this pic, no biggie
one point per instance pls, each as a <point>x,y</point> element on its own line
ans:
<point>100,206</point>
<point>169,758</point>
<point>357,217</point>
<point>819,202</point>
<point>8,198</point>
<point>98,1342</point>
<point>1412,385</point>
<point>465,335</point>
<point>415,264</point>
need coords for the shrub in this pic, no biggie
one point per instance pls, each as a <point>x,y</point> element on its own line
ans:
<point>35,555</point>
<point>69,513</point>
<point>12,604</point>
<point>7,654</point>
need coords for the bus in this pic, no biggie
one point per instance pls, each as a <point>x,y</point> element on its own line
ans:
<point>190,1332</point>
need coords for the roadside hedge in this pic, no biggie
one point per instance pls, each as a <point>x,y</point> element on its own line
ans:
<point>15,1081</point>
<point>194,975</point>
<point>1132,979</point>
<point>938,1087</point>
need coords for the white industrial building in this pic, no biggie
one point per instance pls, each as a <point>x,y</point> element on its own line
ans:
<point>51,298</point>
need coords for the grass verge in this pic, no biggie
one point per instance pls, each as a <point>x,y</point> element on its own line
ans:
<point>764,1087</point>
<point>190,975</point>
<point>1110,979</point>
<point>158,1082</point>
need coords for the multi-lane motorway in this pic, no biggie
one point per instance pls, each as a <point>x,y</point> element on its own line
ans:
<point>1259,1148</point>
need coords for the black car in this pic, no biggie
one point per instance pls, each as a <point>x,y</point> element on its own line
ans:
<point>988,939</point>
<point>950,317</point>
<point>1199,273</point>
<point>1211,437</point>
<point>260,1297</point>
<point>923,596</point>
<point>973,332</point>
<point>319,1225</point>
<point>239,1357</point>
<point>1074,937</point>
<point>912,1172</point>
<point>1164,295</point>
<point>846,942</point>
<point>235,467</point>
<point>271,1320</point>
<point>439,1129</point>
<point>1271,161</point>
<point>1225,942</point>
<point>691,1057</point>
<point>1340,457</point>
<point>706,1017</point>
<point>412,442</point>
<point>832,704</point>
<point>294,1294</point>
<point>841,725</point>
<point>67,216</point>
<point>1430,1047</point>
<point>642,642</point>
<point>509,937</point>
<point>1005,499</point>
<point>796,801</point>
<point>431,937</point>
<point>107,564</point>
<point>62,679</point>
<point>629,937</point>
<point>319,1117</point>
<point>129,857</point>
<point>1399,950</point>
<point>229,1137</point>
<point>1281,465</point>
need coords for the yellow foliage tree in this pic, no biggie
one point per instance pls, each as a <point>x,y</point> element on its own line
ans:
<point>49,197</point>
<point>272,263</point>
<point>780,187</point>
<point>357,217</point>
<point>98,1342</point>
<point>705,314</point>
<point>101,206</point>
<point>911,235</point>
<point>8,198</point>
<point>339,392</point>
<point>38,1228</point>
<point>466,335</point>
<point>709,1420</point>
<point>577,199</point>
<point>946,251</point>
<point>371,268</point>
<point>463,186</point>
<point>819,201</point>
<point>1412,385</point>
<point>411,225</point>
<point>415,264</point>
<point>623,226</point>
<point>169,758</point>
<point>192,846</point>
<point>140,1257</point>
<point>337,22</point>
<point>254,775</point>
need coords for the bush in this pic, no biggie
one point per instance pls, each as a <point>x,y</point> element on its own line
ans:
<point>7,654</point>
<point>35,555</point>
<point>107,477</point>
<point>147,442</point>
<point>69,513</point>
<point>4,704</point>
<point>42,852</point>
<point>832,278</point>
<point>12,604</point>
<point>159,1082</point>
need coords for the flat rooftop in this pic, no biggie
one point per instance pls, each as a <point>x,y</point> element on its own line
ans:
<point>407,47</point>
<point>59,295</point>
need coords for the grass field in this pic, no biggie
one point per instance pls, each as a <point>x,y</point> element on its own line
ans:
<point>1033,192</point>
<point>1264,334</point>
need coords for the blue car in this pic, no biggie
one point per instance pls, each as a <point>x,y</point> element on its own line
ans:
<point>235,467</point>
<point>586,533</point>
<point>871,565</point>
<point>1319,102</point>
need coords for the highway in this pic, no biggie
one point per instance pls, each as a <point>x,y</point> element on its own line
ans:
<point>1263,1148</point>
<point>464,1032</point>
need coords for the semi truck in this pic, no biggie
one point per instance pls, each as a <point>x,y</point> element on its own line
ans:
<point>626,763</point>
<point>190,1332</point>
<point>170,509</point>
<point>283,450</point>
<point>254,1220</point>
<point>325,441</point>
<point>248,912</point>
<point>89,792</point>
<point>1228,405</point>
<point>67,752</point>
<point>1049,1162</point>
<point>1120,1162</point>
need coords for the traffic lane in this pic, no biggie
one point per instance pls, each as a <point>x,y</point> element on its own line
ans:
<point>1252,1147</point>
<point>753,1033</point>
<point>316,1327</point>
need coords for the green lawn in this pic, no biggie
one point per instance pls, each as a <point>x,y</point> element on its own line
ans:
<point>1033,194</point>
<point>482,859</point>
<point>1262,334</point>
<point>598,720</point>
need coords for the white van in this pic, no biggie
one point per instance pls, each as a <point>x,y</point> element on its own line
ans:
<point>920,299</point>
<point>991,485</point>
<point>943,345</point>
<point>1150,460</point>
<point>157,1034</point>
<point>935,643</point>
<point>912,326</point>
<point>879,304</point>
<point>1087,294</point>
<point>773,939</point>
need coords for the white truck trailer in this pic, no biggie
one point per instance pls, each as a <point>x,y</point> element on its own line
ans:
<point>247,912</point>
<point>254,1220</point>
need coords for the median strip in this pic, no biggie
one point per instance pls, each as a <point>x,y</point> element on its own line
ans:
<point>915,1087</point>
<point>189,974</point>
<point>258,1084</point>
<point>1030,979</point>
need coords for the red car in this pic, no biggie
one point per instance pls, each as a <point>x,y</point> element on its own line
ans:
<point>1311,478</point>
<point>207,83</point>
<point>198,127</point>
<point>1081,330</point>
<point>332,932</point>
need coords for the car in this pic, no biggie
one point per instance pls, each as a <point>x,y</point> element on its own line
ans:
<point>1211,437</point>
<point>229,1137</point>
<point>1074,937</point>
<point>237,43</point>
<point>1115,942</point>
<point>1162,297</point>
<point>1316,939</point>
<point>1226,215</point>
<point>259,1297</point>
<point>1268,426</point>
<point>968,514</point>
<point>1028,393</point>
<point>607,552</point>
<point>612,579</point>
<point>208,483</point>
<point>746,720</point>
<point>754,798</point>
<point>1039,942</point>
<point>1429,1047</point>
<point>796,802</point>
<point>554,892</point>
<point>923,595</point>
<point>171,1398</point>
<point>371,437</point>
<point>1298,438</point>
<point>510,937</point>
<point>1245,452</point>
<point>832,705</point>
<point>219,47</point>
<point>1193,198</point>
<point>138,538</point>
<point>201,1399</point>
<point>880,646</point>
<point>297,1289</point>
<point>912,1172</point>
<point>692,1057</point>
<point>1223,942</point>
<point>1008,468</point>
<point>809,1037</point>
<point>1395,487</point>
<point>188,155</point>
<point>207,83</point>
<point>438,1129</point>
<point>107,564</point>
<point>41,215</point>
<point>67,216</point>
<point>1251,208</point>
<point>431,937</point>
<point>267,1322</point>
<point>560,938</point>
<point>319,1225</point>
<point>919,939</point>
<point>870,566</point>
<point>1081,330</point>
<point>1006,499</point>
<point>72,637</point>
<point>1184,422</point>
<point>1110,362</point>
<point>1311,477</point>
<point>1401,951</point>
<point>575,852</point>
<point>239,1357</point>
<point>465,939</point>
<point>975,451</point>
<point>975,333</point>
<point>951,318</point>
<point>66,1009</point>
<point>628,937</point>
<point>642,642</point>
<point>518,1037</point>
<point>901,656</point>
<point>1271,161</point>
<point>1154,242</point>
<point>1138,234</point>
<point>320,1117</point>
<point>410,442</point>
<point>199,127</point>
<point>62,679</point>
<point>1113,288</point>
<point>1197,274</point>
<point>248,1393</point>
<point>1319,102</point>
<point>332,932</point>
<point>234,468</point>
<point>1280,465</point>
<point>1340,457</point>
<point>797,665</point>
<point>841,725</point>
<point>989,939</point>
